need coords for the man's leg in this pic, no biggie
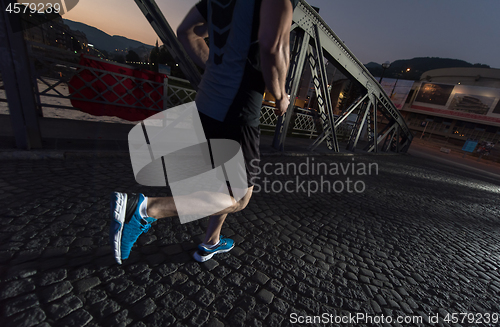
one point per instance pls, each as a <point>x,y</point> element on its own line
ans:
<point>132,215</point>
<point>215,222</point>
<point>214,227</point>
<point>196,203</point>
<point>164,207</point>
<point>161,207</point>
<point>214,243</point>
<point>205,203</point>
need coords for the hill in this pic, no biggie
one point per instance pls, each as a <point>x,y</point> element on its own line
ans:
<point>417,67</point>
<point>104,41</point>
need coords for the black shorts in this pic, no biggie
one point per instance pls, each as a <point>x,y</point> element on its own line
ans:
<point>247,136</point>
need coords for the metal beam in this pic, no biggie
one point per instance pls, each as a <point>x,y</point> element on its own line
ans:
<point>18,83</point>
<point>388,140</point>
<point>312,29</point>
<point>327,101</point>
<point>337,53</point>
<point>383,135</point>
<point>322,96</point>
<point>338,121</point>
<point>169,38</point>
<point>377,139</point>
<point>346,113</point>
<point>299,51</point>
<point>398,144</point>
<point>375,127</point>
<point>358,127</point>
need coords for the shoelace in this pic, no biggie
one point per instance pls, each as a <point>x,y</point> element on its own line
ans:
<point>145,227</point>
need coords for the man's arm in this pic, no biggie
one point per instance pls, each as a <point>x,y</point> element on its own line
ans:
<point>274,40</point>
<point>192,33</point>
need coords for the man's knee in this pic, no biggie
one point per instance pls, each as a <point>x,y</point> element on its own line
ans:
<point>243,202</point>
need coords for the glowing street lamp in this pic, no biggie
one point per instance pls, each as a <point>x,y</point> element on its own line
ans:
<point>397,79</point>
<point>385,66</point>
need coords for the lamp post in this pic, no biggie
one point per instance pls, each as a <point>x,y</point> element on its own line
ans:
<point>423,132</point>
<point>385,66</point>
<point>397,79</point>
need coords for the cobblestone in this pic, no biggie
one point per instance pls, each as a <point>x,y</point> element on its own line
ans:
<point>416,241</point>
<point>20,304</point>
<point>265,296</point>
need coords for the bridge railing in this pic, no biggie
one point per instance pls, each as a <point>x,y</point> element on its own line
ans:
<point>54,68</point>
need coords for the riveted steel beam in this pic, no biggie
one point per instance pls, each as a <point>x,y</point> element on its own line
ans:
<point>310,29</point>
<point>334,50</point>
<point>18,82</point>
<point>162,28</point>
<point>298,53</point>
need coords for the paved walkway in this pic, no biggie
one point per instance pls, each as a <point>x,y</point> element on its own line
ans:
<point>456,157</point>
<point>413,238</point>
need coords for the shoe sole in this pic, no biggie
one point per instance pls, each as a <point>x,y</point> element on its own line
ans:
<point>118,208</point>
<point>203,258</point>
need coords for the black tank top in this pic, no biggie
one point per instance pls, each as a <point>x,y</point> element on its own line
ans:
<point>232,86</point>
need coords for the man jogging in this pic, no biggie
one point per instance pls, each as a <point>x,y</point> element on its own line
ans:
<point>248,51</point>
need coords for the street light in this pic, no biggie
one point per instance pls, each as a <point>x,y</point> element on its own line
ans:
<point>397,79</point>
<point>385,66</point>
<point>423,132</point>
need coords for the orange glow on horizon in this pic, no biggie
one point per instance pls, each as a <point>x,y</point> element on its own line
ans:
<point>124,18</point>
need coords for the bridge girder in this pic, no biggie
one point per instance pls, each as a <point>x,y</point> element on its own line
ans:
<point>314,41</point>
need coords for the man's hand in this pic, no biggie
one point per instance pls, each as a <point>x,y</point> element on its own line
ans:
<point>274,42</point>
<point>282,106</point>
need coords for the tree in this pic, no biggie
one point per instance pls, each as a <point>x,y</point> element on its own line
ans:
<point>119,59</point>
<point>165,57</point>
<point>132,56</point>
<point>154,57</point>
<point>76,45</point>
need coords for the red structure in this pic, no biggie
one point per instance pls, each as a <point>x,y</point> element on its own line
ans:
<point>101,88</point>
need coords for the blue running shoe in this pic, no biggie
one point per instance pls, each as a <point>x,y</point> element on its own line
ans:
<point>126,223</point>
<point>203,254</point>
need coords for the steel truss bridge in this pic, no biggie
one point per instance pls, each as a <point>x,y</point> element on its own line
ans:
<point>312,42</point>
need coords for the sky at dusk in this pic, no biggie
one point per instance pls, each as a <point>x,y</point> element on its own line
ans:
<point>374,30</point>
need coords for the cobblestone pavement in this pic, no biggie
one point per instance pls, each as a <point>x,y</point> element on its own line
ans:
<point>421,239</point>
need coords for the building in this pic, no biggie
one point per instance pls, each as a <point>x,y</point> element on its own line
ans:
<point>51,30</point>
<point>455,104</point>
